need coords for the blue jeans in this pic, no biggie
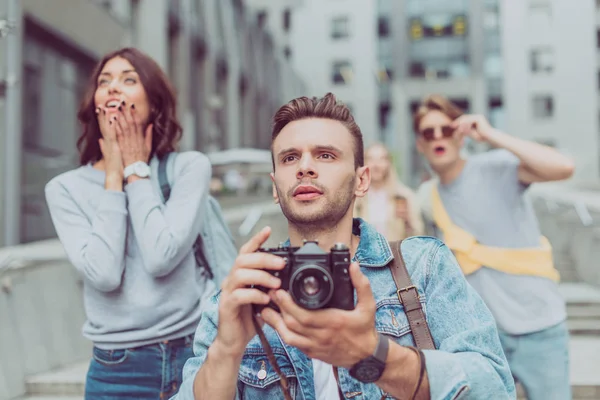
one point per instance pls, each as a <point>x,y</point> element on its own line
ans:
<point>540,362</point>
<point>150,372</point>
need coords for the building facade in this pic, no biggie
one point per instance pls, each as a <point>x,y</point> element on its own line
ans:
<point>526,65</point>
<point>550,62</point>
<point>333,48</point>
<point>228,77</point>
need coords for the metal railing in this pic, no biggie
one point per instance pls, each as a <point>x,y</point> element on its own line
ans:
<point>579,207</point>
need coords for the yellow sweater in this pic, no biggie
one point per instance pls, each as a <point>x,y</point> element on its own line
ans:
<point>472,256</point>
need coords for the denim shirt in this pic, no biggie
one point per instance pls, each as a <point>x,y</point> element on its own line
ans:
<point>469,362</point>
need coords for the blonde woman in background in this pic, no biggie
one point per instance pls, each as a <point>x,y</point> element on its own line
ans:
<point>389,205</point>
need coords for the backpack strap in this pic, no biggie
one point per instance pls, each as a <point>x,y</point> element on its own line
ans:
<point>165,167</point>
<point>409,297</point>
<point>163,179</point>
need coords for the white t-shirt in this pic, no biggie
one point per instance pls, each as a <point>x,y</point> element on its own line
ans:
<point>325,384</point>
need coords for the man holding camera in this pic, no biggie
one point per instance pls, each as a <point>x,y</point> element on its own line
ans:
<point>330,352</point>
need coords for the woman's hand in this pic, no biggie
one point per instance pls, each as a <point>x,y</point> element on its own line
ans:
<point>113,161</point>
<point>135,144</point>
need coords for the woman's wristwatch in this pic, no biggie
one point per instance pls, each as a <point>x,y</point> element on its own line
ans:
<point>138,168</point>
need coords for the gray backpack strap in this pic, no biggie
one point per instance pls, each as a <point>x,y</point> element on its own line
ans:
<point>166,165</point>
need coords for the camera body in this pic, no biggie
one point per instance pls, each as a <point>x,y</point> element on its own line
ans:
<point>314,278</point>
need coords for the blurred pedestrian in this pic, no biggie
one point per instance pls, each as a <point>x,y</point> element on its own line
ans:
<point>389,205</point>
<point>479,207</point>
<point>142,293</point>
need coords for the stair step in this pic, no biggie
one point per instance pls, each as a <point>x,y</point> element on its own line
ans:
<point>578,392</point>
<point>580,294</point>
<point>588,327</point>
<point>579,312</point>
<point>58,397</point>
<point>69,381</point>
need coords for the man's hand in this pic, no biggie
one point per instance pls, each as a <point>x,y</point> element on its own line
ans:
<point>402,211</point>
<point>338,337</point>
<point>475,126</point>
<point>235,305</point>
<point>217,377</point>
<point>539,163</point>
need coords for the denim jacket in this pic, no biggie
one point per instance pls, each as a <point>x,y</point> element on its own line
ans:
<point>468,364</point>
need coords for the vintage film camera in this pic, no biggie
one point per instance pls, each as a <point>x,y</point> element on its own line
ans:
<point>314,278</point>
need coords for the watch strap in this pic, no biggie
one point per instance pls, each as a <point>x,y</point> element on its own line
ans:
<point>383,345</point>
<point>131,169</point>
<point>377,360</point>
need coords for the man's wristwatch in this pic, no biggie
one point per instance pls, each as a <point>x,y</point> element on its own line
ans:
<point>371,368</point>
<point>138,168</point>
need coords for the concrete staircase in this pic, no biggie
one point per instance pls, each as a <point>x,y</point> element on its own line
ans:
<point>64,384</point>
<point>583,306</point>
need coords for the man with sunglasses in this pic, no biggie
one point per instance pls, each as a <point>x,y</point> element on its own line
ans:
<point>478,207</point>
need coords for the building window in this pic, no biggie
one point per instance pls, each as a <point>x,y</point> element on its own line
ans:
<point>385,74</point>
<point>342,72</point>
<point>540,16</point>
<point>543,106</point>
<point>383,27</point>
<point>416,70</point>
<point>440,67</point>
<point>491,18</point>
<point>542,60</point>
<point>384,113</point>
<point>287,16</point>
<point>287,52</point>
<point>261,19</point>
<point>448,25</point>
<point>339,28</point>
<point>541,7</point>
<point>546,142</point>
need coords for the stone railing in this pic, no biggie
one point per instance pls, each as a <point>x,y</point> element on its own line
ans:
<point>41,308</point>
<point>570,217</point>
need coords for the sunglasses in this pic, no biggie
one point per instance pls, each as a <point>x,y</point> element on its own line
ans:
<point>429,133</point>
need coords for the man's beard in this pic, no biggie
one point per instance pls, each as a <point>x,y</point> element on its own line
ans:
<point>332,209</point>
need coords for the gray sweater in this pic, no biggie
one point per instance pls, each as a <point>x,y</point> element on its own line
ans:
<point>133,252</point>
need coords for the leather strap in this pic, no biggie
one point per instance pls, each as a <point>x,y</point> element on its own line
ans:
<point>409,297</point>
<point>381,350</point>
<point>337,380</point>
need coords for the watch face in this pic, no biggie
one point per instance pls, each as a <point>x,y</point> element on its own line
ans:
<point>367,370</point>
<point>142,170</point>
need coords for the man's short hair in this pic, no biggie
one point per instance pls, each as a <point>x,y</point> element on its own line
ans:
<point>435,102</point>
<point>327,107</point>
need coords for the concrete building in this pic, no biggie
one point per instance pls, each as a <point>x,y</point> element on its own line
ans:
<point>276,18</point>
<point>228,78</point>
<point>333,48</point>
<point>551,80</point>
<point>526,65</point>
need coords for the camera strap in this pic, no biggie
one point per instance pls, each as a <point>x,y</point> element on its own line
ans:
<point>283,382</point>
<point>409,297</point>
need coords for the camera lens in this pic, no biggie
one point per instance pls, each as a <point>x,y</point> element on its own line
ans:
<point>311,286</point>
